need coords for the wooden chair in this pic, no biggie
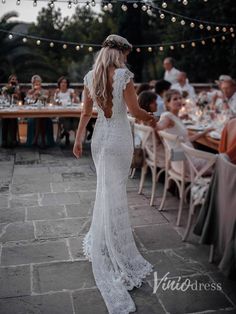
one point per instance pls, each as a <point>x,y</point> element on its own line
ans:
<point>149,145</point>
<point>174,153</point>
<point>200,179</point>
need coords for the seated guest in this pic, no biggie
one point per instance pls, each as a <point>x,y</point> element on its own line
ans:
<point>147,101</point>
<point>65,96</point>
<point>216,96</point>
<point>142,87</point>
<point>171,73</point>
<point>40,130</point>
<point>229,92</point>
<point>184,87</point>
<point>160,88</point>
<point>228,140</point>
<point>171,123</point>
<point>10,126</point>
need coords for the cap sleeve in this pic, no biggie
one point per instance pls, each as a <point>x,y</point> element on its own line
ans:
<point>87,79</point>
<point>128,75</point>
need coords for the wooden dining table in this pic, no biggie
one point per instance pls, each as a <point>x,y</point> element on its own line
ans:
<point>206,140</point>
<point>43,112</point>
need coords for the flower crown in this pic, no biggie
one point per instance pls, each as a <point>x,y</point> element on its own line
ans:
<point>115,45</point>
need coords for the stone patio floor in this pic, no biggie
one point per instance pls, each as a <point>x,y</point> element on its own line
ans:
<point>46,202</point>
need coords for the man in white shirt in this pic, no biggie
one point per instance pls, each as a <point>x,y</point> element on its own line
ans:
<point>171,73</point>
<point>184,87</point>
<point>229,91</point>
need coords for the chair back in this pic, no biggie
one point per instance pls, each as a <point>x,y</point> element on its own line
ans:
<point>191,155</point>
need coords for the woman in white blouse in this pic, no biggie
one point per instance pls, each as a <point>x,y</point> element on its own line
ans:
<point>65,96</point>
<point>171,123</point>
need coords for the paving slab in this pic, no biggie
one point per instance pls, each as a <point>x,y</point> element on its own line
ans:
<point>16,281</point>
<point>34,253</point>
<point>56,303</point>
<point>62,275</point>
<point>60,228</point>
<point>45,212</point>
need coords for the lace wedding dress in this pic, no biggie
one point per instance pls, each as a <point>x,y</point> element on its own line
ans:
<point>116,262</point>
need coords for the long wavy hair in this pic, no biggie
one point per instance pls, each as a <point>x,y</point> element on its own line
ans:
<point>111,55</point>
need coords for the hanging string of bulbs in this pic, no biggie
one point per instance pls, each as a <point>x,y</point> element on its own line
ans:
<point>151,9</point>
<point>138,48</point>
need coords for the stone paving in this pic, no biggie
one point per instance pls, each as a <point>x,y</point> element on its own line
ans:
<point>46,202</point>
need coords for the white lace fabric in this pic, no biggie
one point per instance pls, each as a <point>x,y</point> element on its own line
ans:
<point>109,244</point>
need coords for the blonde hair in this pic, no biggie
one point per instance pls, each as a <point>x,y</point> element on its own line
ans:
<point>168,95</point>
<point>111,55</point>
<point>34,78</point>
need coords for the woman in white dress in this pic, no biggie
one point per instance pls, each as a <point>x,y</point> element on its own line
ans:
<point>116,262</point>
<point>171,123</point>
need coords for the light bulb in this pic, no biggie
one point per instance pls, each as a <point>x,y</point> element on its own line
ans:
<point>144,7</point>
<point>164,5</point>
<point>138,49</point>
<point>162,16</point>
<point>173,19</point>
<point>51,44</point>
<point>24,40</point>
<point>192,25</point>
<point>10,36</point>
<point>64,46</point>
<point>150,49</point>
<point>182,46</point>
<point>90,49</point>
<point>182,22</point>
<point>77,48</point>
<point>124,7</point>
<point>172,47</point>
<point>135,5</point>
<point>185,2</point>
<point>38,42</point>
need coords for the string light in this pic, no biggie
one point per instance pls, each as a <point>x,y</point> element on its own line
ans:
<point>149,47</point>
<point>135,5</point>
<point>164,5</point>
<point>105,7</point>
<point>192,25</point>
<point>93,3</point>
<point>162,16</point>
<point>69,5</point>
<point>124,7</point>
<point>3,1</point>
<point>87,7</point>
<point>35,3</point>
<point>182,22</point>
<point>173,19</point>
<point>18,2</point>
<point>144,7</point>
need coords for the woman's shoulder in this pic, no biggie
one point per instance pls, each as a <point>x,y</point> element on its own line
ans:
<point>166,114</point>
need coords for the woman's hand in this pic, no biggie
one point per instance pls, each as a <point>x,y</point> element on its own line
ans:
<point>152,122</point>
<point>208,130</point>
<point>77,149</point>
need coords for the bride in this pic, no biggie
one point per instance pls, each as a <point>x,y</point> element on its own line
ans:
<point>116,262</point>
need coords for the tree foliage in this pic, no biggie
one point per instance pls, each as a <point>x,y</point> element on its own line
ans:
<point>202,63</point>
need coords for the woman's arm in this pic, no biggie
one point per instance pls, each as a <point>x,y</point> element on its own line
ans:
<point>198,135</point>
<point>84,119</point>
<point>164,123</point>
<point>131,100</point>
